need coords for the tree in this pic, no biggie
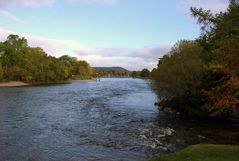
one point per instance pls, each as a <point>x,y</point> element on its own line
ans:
<point>223,96</point>
<point>145,73</point>
<point>84,70</point>
<point>182,70</point>
<point>17,43</point>
<point>153,73</point>
<point>203,75</point>
<point>179,75</point>
<point>71,63</point>
<point>1,72</point>
<point>20,62</point>
<point>134,74</point>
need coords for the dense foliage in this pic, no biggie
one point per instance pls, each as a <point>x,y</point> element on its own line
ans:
<point>202,76</point>
<point>110,73</point>
<point>19,62</point>
<point>144,73</point>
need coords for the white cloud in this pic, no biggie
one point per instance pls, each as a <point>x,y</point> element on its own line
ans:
<point>132,59</point>
<point>51,46</point>
<point>26,3</point>
<point>214,5</point>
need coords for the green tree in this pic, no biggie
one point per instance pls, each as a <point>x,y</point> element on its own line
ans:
<point>180,75</point>
<point>1,72</point>
<point>84,70</point>
<point>134,74</point>
<point>153,73</point>
<point>222,37</point>
<point>145,73</point>
<point>202,76</point>
<point>71,63</point>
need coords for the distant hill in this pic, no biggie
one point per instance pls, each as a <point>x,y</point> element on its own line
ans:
<point>109,69</point>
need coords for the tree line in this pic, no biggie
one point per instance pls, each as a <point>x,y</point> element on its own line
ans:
<point>19,62</point>
<point>144,73</point>
<point>201,76</point>
<point>114,73</point>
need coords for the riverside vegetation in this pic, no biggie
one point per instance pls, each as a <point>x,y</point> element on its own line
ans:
<point>19,62</point>
<point>197,77</point>
<point>201,77</point>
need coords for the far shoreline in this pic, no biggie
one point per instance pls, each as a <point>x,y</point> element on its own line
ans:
<point>23,84</point>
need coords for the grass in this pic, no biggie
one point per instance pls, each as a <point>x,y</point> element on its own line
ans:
<point>204,152</point>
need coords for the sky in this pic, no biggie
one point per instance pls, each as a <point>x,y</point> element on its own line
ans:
<point>129,33</point>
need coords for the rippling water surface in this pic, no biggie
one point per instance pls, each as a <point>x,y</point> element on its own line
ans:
<point>110,120</point>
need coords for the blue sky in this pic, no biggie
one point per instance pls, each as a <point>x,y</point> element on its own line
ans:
<point>128,33</point>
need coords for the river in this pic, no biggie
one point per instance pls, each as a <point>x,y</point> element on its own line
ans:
<point>110,120</point>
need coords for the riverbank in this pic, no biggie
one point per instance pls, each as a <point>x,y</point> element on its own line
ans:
<point>14,84</point>
<point>203,152</point>
<point>81,80</point>
<point>22,84</point>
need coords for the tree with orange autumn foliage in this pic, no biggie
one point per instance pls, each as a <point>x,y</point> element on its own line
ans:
<point>223,100</point>
<point>207,84</point>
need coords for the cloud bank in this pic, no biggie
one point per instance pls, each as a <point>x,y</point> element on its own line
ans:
<point>132,59</point>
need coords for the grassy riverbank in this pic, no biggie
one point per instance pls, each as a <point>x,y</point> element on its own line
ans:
<point>203,152</point>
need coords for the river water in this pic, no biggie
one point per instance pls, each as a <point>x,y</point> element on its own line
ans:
<point>110,120</point>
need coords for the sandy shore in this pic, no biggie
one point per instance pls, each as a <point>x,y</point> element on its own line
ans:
<point>21,84</point>
<point>13,84</point>
<point>76,81</point>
